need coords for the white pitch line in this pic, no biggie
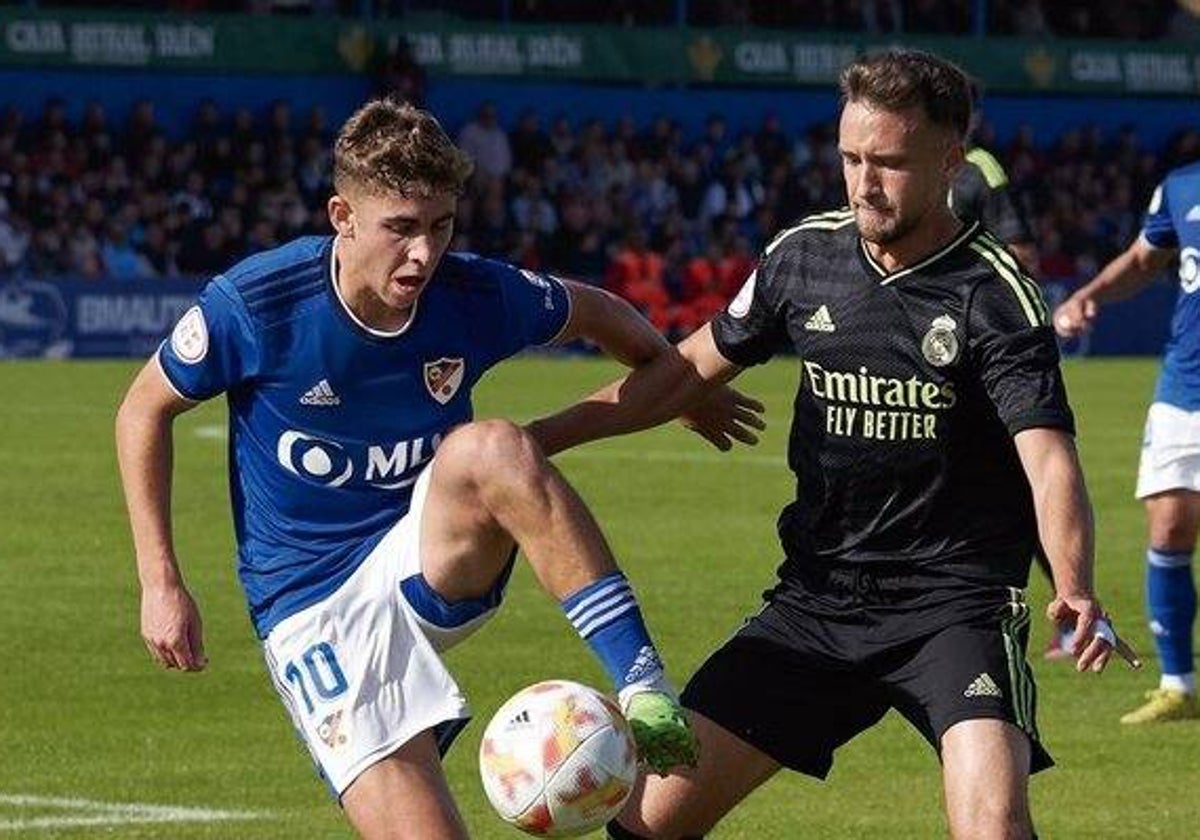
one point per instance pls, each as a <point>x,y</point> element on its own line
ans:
<point>111,813</point>
<point>214,432</point>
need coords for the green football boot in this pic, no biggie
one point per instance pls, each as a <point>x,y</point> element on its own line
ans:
<point>662,732</point>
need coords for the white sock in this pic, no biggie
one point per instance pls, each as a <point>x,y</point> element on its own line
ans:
<point>1179,682</point>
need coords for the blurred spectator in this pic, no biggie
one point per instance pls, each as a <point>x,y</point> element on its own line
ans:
<point>487,143</point>
<point>637,273</point>
<point>532,211</point>
<point>14,240</point>
<point>530,145</point>
<point>119,259</point>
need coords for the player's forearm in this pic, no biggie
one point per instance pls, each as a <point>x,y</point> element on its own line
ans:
<point>144,453</point>
<point>618,329</point>
<point>650,395</point>
<point>1122,278</point>
<point>1065,525</point>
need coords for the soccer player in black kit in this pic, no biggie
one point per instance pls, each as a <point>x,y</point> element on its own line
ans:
<point>932,445</point>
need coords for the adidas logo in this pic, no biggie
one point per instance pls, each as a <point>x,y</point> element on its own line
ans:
<point>983,686</point>
<point>520,719</point>
<point>646,665</point>
<point>320,394</point>
<point>820,321</point>
<point>1193,215</point>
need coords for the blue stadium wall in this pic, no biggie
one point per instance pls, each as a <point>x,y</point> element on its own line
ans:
<point>107,319</point>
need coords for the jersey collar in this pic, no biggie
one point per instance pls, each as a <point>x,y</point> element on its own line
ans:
<point>349,313</point>
<point>886,278</point>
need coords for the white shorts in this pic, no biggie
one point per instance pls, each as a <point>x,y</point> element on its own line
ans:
<point>1170,451</point>
<point>360,671</point>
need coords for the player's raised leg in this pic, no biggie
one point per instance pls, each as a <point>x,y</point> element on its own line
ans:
<point>688,803</point>
<point>405,797</point>
<point>491,486</point>
<point>985,776</point>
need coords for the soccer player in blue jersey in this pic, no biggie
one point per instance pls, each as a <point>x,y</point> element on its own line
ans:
<point>376,523</point>
<point>1169,473</point>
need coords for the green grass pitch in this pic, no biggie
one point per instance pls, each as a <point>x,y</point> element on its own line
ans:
<point>86,718</point>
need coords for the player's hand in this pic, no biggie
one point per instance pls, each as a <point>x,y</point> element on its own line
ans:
<point>1075,316</point>
<point>725,416</point>
<point>171,627</point>
<point>1094,638</point>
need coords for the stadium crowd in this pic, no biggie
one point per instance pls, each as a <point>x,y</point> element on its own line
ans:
<point>671,222</point>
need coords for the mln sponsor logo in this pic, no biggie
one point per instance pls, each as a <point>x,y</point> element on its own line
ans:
<point>389,466</point>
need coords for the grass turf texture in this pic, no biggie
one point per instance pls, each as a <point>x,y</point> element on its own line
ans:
<point>85,714</point>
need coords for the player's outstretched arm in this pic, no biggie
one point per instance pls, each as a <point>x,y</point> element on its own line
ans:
<point>1067,532</point>
<point>668,381</point>
<point>170,621</point>
<point>677,380</point>
<point>1125,276</point>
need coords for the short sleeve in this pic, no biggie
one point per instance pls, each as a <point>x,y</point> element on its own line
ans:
<point>1001,217</point>
<point>537,307</point>
<point>1158,228</point>
<point>751,328</point>
<point>212,347</point>
<point>1016,354</point>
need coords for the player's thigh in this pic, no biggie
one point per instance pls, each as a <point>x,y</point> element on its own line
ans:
<point>450,589</point>
<point>358,674</point>
<point>985,776</point>
<point>969,671</point>
<point>1169,476</point>
<point>691,802</point>
<point>405,796</point>
<point>463,548</point>
<point>778,686</point>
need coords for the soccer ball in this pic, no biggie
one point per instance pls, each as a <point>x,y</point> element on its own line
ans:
<point>558,759</point>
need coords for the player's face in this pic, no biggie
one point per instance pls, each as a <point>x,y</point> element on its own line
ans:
<point>897,166</point>
<point>390,244</point>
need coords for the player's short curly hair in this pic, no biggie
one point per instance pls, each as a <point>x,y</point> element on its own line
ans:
<point>896,80</point>
<point>389,146</point>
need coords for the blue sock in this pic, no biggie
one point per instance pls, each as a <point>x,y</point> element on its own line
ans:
<point>606,614</point>
<point>1171,601</point>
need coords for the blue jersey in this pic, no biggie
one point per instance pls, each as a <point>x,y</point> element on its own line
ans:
<point>330,422</point>
<point>1173,221</point>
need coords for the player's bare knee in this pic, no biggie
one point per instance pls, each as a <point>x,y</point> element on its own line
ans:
<point>990,818</point>
<point>495,451</point>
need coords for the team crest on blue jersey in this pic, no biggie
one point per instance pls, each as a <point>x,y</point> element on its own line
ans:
<point>443,377</point>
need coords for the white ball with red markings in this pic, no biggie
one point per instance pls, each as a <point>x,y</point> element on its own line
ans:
<point>558,759</point>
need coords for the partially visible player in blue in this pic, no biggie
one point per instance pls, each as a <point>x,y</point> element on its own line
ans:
<point>1169,472</point>
<point>348,362</point>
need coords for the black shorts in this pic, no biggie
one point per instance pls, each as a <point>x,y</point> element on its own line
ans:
<point>797,687</point>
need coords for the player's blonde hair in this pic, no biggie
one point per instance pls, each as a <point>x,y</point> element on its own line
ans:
<point>896,80</point>
<point>389,146</point>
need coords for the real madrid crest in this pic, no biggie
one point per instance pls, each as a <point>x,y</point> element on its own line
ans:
<point>940,344</point>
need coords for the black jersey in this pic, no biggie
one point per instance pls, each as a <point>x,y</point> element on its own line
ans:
<point>980,194</point>
<point>912,386</point>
